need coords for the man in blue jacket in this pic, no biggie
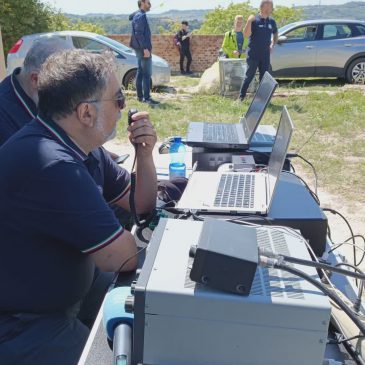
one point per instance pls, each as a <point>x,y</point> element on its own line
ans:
<point>141,43</point>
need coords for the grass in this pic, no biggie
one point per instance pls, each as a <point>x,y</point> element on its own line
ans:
<point>330,128</point>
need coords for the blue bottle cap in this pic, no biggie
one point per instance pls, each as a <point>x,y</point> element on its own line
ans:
<point>177,139</point>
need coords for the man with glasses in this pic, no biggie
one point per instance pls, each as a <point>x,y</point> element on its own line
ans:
<point>141,42</point>
<point>55,224</point>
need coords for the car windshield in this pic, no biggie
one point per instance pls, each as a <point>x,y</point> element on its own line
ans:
<point>285,28</point>
<point>115,44</point>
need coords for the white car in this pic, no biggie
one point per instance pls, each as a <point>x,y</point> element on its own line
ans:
<point>125,56</point>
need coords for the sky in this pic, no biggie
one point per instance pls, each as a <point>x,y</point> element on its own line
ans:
<point>159,6</point>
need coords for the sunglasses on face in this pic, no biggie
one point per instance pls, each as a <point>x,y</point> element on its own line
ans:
<point>119,99</point>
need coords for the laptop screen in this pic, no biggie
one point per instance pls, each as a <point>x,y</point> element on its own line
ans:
<point>279,151</point>
<point>258,105</point>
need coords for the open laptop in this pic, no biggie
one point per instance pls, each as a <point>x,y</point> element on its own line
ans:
<point>242,134</point>
<point>236,192</point>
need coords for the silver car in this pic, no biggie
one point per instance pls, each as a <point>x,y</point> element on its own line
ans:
<point>125,56</point>
<point>321,48</point>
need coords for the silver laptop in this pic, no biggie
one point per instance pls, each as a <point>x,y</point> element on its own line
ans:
<point>242,134</point>
<point>235,192</point>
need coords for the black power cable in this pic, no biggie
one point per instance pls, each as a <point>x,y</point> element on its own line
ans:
<point>318,265</point>
<point>125,262</point>
<point>332,295</point>
<point>313,169</point>
<point>333,211</point>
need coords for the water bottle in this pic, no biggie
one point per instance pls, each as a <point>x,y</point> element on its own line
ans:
<point>177,167</point>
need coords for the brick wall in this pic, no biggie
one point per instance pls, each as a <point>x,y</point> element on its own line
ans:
<point>204,49</point>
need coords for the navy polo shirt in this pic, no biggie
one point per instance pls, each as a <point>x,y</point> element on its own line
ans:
<point>262,31</point>
<point>53,214</point>
<point>16,107</point>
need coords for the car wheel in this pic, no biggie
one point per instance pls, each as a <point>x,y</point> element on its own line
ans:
<point>130,80</point>
<point>356,72</point>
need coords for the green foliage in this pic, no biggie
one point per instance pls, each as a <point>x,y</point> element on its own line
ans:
<point>285,15</point>
<point>171,27</point>
<point>59,21</point>
<point>220,20</point>
<point>20,17</point>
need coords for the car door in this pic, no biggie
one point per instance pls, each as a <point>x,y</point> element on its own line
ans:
<point>338,43</point>
<point>95,46</point>
<point>295,55</point>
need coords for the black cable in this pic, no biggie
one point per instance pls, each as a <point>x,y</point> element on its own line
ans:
<point>332,295</point>
<point>320,265</point>
<point>314,172</point>
<point>139,234</point>
<point>348,346</point>
<point>241,220</point>
<point>333,211</point>
<point>363,254</point>
<point>338,342</point>
<point>125,262</point>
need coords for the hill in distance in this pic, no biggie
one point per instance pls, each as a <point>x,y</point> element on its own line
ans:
<point>119,23</point>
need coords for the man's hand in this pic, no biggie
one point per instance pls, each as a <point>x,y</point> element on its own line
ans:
<point>272,46</point>
<point>142,132</point>
<point>251,18</point>
<point>236,53</point>
<point>146,53</point>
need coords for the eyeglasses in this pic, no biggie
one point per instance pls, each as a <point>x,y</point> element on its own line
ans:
<point>119,99</point>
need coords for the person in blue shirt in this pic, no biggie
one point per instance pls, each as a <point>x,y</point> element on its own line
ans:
<point>262,32</point>
<point>142,44</point>
<point>55,221</point>
<point>19,92</point>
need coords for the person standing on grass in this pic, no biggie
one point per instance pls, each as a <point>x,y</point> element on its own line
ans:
<point>141,42</point>
<point>233,42</point>
<point>262,32</point>
<point>183,37</point>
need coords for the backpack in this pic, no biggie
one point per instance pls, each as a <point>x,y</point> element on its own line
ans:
<point>176,41</point>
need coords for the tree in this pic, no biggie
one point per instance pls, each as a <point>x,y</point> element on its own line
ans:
<point>285,15</point>
<point>20,17</point>
<point>172,27</point>
<point>220,20</point>
<point>59,21</point>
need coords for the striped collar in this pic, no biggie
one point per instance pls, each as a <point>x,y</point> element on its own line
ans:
<point>62,137</point>
<point>27,103</point>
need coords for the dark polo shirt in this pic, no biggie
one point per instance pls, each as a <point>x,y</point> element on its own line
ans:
<point>16,107</point>
<point>53,215</point>
<point>260,39</point>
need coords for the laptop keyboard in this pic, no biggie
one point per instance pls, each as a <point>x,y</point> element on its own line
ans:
<point>220,133</point>
<point>236,191</point>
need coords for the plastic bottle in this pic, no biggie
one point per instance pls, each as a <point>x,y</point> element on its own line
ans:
<point>177,167</point>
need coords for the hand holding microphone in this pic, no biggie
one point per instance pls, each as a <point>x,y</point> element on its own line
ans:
<point>141,131</point>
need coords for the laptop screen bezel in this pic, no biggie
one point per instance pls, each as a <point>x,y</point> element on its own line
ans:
<point>244,119</point>
<point>271,192</point>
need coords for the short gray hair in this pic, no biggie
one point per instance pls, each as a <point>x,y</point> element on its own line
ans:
<point>40,50</point>
<point>264,2</point>
<point>71,77</point>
